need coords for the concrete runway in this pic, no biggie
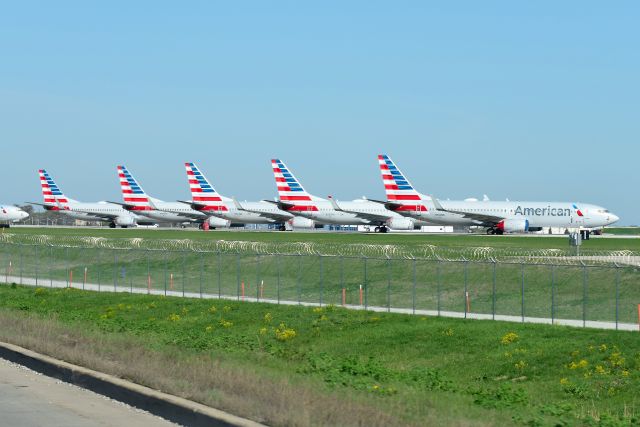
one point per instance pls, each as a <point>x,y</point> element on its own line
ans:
<point>31,399</point>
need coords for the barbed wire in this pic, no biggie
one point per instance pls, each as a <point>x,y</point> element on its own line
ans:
<point>426,251</point>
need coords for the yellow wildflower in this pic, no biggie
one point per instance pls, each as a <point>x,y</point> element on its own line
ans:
<point>174,317</point>
<point>209,328</point>
<point>212,309</point>
<point>509,337</point>
<point>268,318</point>
<point>564,381</point>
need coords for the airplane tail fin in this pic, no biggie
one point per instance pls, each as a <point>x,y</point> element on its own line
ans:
<point>133,195</point>
<point>54,199</point>
<point>290,191</point>
<point>397,187</point>
<point>202,192</point>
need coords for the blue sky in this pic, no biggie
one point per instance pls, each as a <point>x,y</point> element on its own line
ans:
<point>518,100</point>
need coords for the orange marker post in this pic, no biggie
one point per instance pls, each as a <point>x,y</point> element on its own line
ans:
<point>468,302</point>
<point>242,286</point>
<point>148,283</point>
<point>171,281</point>
<point>344,297</point>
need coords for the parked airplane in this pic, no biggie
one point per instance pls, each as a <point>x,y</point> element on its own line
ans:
<point>55,200</point>
<point>10,214</point>
<point>498,217</point>
<point>294,198</point>
<point>136,200</point>
<point>207,200</point>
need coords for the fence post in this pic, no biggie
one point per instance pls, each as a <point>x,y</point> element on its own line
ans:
<point>115,270</point>
<point>522,302</point>
<point>99,269</point>
<point>617,294</point>
<point>50,269</point>
<point>553,294</point>
<point>321,260</point>
<point>278,283</point>
<point>37,263</point>
<point>257,277</point>
<point>466,288</point>
<point>342,278</point>
<point>438,280</point>
<point>238,276</point>
<point>166,255</point>
<point>21,256</point>
<point>413,291</point>
<point>201,272</point>
<point>299,279</point>
<point>584,295</point>
<point>493,293</point>
<point>184,270</point>
<point>366,294</point>
<point>219,274</point>
<point>388,285</point>
<point>149,284</point>
<point>68,267</point>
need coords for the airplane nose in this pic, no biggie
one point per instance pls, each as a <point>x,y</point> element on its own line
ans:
<point>24,214</point>
<point>613,218</point>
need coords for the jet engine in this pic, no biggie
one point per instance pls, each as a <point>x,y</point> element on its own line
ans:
<point>401,223</point>
<point>302,223</point>
<point>216,222</point>
<point>124,221</point>
<point>513,225</point>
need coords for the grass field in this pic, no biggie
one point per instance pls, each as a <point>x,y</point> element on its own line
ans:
<point>472,240</point>
<point>288,365</point>
<point>624,231</point>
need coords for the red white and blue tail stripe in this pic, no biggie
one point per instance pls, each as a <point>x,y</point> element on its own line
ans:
<point>135,199</point>
<point>290,191</point>
<point>397,187</point>
<point>204,196</point>
<point>54,199</point>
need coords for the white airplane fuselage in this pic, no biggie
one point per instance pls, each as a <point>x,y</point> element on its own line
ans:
<point>538,214</point>
<point>12,213</point>
<point>95,212</point>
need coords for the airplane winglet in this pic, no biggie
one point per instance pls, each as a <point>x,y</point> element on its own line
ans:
<point>237,204</point>
<point>437,204</point>
<point>334,204</point>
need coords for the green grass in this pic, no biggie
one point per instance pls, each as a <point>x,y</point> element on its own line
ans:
<point>409,240</point>
<point>623,231</point>
<point>411,369</point>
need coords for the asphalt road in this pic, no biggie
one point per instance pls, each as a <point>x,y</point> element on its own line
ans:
<point>30,399</point>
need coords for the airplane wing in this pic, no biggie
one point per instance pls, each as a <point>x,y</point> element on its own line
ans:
<point>482,219</point>
<point>374,218</point>
<point>281,205</point>
<point>270,215</point>
<point>389,205</point>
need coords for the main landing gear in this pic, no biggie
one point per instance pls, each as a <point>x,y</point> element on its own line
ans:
<point>493,230</point>
<point>381,229</point>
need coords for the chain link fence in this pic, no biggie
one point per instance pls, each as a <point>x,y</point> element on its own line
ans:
<point>531,288</point>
